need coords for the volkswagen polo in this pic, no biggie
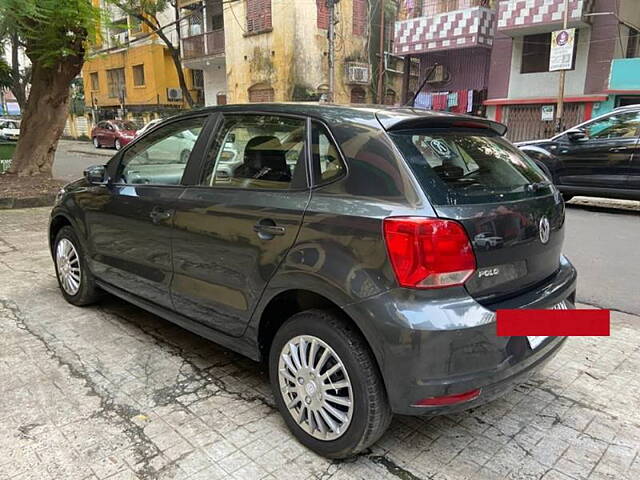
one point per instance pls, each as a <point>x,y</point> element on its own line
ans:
<point>360,252</point>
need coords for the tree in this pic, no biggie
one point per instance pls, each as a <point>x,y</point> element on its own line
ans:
<point>19,77</point>
<point>146,11</point>
<point>55,34</point>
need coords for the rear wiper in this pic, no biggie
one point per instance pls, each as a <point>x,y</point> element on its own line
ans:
<point>534,187</point>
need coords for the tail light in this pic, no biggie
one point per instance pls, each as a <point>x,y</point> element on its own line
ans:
<point>428,252</point>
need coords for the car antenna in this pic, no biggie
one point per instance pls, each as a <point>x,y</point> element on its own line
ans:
<point>426,77</point>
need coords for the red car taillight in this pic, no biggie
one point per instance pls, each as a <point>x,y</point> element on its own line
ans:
<point>428,252</point>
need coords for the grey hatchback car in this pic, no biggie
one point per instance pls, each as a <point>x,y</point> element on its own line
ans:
<point>361,252</point>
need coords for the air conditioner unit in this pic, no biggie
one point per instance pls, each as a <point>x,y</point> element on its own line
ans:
<point>358,73</point>
<point>437,75</point>
<point>174,94</point>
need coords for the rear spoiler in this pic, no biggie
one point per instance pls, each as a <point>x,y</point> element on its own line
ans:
<point>412,119</point>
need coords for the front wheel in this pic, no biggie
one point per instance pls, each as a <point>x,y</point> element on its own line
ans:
<point>117,144</point>
<point>327,385</point>
<point>96,143</point>
<point>74,278</point>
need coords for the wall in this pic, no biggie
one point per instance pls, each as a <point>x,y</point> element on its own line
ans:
<point>468,67</point>
<point>545,84</point>
<point>159,73</point>
<point>292,54</point>
<point>500,69</point>
<point>605,45</point>
<point>215,81</point>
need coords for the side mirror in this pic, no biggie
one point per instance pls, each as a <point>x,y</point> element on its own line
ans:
<point>577,135</point>
<point>96,175</point>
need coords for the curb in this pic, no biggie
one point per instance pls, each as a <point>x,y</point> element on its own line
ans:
<point>29,202</point>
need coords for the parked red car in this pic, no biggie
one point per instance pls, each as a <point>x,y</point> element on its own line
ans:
<point>113,133</point>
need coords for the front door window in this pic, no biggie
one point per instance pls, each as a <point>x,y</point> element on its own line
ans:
<point>161,156</point>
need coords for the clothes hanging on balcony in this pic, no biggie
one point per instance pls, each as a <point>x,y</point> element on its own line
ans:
<point>470,101</point>
<point>424,100</point>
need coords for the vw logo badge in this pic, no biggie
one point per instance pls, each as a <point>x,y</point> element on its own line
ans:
<point>545,230</point>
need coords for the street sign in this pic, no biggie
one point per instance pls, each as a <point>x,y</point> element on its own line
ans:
<point>562,45</point>
<point>548,113</point>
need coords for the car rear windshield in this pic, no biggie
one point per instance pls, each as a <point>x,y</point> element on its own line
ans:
<point>467,167</point>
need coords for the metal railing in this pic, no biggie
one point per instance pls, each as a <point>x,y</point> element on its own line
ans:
<point>193,47</point>
<point>215,42</point>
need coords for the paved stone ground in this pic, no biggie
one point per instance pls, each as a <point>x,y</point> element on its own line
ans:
<point>113,392</point>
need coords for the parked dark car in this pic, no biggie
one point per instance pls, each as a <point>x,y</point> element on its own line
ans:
<point>113,133</point>
<point>599,158</point>
<point>339,250</point>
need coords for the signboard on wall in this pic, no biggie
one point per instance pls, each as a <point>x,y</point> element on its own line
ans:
<point>548,112</point>
<point>562,46</point>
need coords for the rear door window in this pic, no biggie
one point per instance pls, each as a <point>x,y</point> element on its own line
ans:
<point>469,167</point>
<point>265,152</point>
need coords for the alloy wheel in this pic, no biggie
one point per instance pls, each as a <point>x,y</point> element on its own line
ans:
<point>315,387</point>
<point>68,265</point>
<point>118,145</point>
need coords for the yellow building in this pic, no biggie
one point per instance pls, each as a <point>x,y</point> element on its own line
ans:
<point>130,69</point>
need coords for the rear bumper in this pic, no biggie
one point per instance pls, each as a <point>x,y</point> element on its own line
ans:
<point>437,343</point>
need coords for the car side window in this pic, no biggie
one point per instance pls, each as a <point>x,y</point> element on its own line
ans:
<point>258,152</point>
<point>327,163</point>
<point>618,125</point>
<point>160,157</point>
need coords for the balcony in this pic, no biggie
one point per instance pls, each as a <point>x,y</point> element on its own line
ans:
<point>204,45</point>
<point>523,17</point>
<point>446,25</point>
<point>624,76</point>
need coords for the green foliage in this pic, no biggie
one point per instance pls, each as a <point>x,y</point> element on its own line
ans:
<point>141,7</point>
<point>6,76</point>
<point>52,30</point>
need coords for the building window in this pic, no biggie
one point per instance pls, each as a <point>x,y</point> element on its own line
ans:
<point>323,13</point>
<point>360,15</point>
<point>95,81</point>
<point>536,52</point>
<point>358,95</point>
<point>197,78</point>
<point>258,16</point>
<point>261,93</point>
<point>135,25</point>
<point>138,75</point>
<point>390,97</point>
<point>633,44</point>
<point>115,82</point>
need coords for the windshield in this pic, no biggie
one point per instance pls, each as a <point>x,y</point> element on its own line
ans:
<point>125,125</point>
<point>462,168</point>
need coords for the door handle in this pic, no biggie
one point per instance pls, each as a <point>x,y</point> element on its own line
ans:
<point>621,149</point>
<point>267,229</point>
<point>159,214</point>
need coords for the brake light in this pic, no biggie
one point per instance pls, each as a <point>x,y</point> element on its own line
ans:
<point>428,252</point>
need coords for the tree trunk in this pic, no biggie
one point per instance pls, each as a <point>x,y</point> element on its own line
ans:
<point>44,117</point>
<point>177,62</point>
<point>19,87</point>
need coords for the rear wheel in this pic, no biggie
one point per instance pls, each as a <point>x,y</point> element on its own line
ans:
<point>327,385</point>
<point>96,143</point>
<point>74,278</point>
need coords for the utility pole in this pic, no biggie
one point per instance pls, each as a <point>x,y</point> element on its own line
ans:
<point>560,108</point>
<point>381,64</point>
<point>332,48</point>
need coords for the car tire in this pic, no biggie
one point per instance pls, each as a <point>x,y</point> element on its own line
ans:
<point>68,255</point>
<point>117,144</point>
<point>567,196</point>
<point>96,143</point>
<point>184,156</point>
<point>368,414</point>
